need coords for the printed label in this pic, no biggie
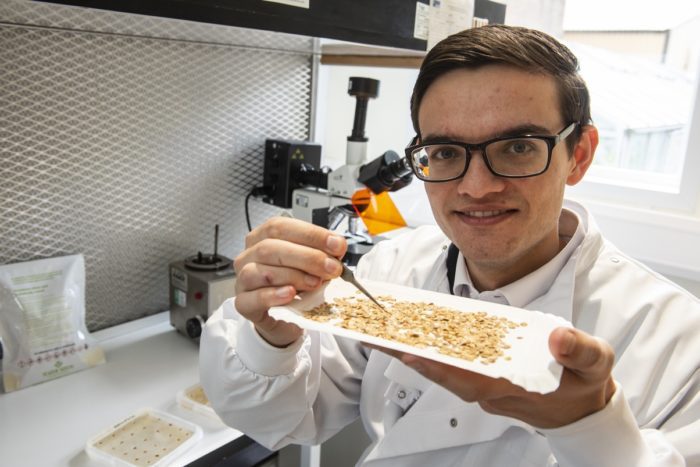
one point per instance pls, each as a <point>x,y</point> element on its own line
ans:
<point>420,27</point>
<point>178,278</point>
<point>179,297</point>
<point>448,17</point>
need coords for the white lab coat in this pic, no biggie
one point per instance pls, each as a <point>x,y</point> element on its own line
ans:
<point>309,391</point>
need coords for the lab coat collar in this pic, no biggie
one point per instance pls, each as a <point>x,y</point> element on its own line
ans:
<point>593,242</point>
<point>559,299</point>
<point>537,283</point>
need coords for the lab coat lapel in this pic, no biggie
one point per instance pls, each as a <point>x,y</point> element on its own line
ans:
<point>559,299</point>
<point>437,420</point>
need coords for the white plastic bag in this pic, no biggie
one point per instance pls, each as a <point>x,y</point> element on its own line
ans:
<point>42,321</point>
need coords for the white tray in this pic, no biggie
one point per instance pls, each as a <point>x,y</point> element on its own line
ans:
<point>147,438</point>
<point>530,364</point>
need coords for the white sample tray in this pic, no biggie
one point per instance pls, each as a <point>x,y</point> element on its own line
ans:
<point>529,363</point>
<point>148,438</point>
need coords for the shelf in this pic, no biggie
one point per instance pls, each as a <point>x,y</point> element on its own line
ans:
<point>363,55</point>
<point>385,23</point>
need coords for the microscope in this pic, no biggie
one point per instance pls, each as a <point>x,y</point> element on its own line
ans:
<point>293,177</point>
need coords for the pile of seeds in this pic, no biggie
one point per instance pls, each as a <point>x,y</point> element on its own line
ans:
<point>465,335</point>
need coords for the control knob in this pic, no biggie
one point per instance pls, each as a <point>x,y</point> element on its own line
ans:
<point>193,326</point>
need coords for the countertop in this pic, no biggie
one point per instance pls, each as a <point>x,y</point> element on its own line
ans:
<point>148,363</point>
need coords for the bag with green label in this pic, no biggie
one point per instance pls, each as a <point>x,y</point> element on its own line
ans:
<point>42,321</point>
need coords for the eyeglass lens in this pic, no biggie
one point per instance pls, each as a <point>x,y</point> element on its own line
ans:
<point>509,157</point>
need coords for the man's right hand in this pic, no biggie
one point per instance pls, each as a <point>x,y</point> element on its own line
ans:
<point>282,257</point>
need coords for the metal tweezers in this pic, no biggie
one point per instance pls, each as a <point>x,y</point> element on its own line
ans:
<point>347,275</point>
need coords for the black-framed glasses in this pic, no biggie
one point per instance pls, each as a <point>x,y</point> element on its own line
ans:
<point>507,156</point>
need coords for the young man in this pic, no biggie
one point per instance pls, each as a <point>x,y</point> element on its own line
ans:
<point>503,125</point>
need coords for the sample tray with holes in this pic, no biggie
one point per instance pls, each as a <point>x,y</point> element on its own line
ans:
<point>193,398</point>
<point>148,438</point>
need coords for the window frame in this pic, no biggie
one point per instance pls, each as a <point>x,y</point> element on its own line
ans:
<point>685,200</point>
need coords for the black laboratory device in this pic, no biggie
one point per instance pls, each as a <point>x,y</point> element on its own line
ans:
<point>363,89</point>
<point>388,172</point>
<point>293,176</point>
<point>286,167</point>
<point>290,165</point>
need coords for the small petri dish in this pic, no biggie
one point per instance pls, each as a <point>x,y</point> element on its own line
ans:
<point>193,398</point>
<point>148,438</point>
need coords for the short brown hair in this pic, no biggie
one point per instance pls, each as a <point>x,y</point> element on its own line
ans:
<point>526,49</point>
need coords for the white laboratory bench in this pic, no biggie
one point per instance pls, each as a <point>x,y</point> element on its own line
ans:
<point>148,362</point>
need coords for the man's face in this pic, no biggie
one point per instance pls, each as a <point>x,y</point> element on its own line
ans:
<point>505,227</point>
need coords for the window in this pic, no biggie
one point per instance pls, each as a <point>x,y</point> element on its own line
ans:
<point>640,62</point>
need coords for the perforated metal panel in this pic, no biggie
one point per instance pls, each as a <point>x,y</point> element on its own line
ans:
<point>127,138</point>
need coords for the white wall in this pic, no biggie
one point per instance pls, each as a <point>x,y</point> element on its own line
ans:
<point>684,45</point>
<point>545,15</point>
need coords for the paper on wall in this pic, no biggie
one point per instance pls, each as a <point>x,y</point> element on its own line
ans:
<point>448,17</point>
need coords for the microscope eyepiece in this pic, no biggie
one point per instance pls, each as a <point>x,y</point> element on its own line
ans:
<point>388,172</point>
<point>363,87</point>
